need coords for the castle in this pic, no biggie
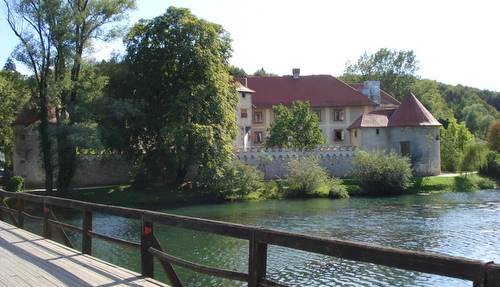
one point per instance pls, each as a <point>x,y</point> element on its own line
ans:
<point>351,115</point>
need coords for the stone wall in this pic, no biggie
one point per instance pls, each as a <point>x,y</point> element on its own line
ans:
<point>273,162</point>
<point>90,170</point>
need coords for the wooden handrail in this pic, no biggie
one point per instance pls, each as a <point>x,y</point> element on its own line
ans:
<point>228,274</point>
<point>115,240</point>
<point>480,272</point>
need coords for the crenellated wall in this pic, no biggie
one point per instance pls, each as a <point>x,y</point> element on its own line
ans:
<point>274,162</point>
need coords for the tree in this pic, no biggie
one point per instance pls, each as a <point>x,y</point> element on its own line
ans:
<point>27,19</point>
<point>494,136</point>
<point>237,72</point>
<point>428,93</point>
<point>295,127</point>
<point>474,156</point>
<point>454,139</point>
<point>262,73</point>
<point>54,36</point>
<point>396,70</point>
<point>179,70</point>
<point>9,65</point>
<point>14,94</point>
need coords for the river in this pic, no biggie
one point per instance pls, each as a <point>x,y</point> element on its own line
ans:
<point>463,224</point>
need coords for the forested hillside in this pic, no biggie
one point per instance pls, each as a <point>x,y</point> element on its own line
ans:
<point>397,72</point>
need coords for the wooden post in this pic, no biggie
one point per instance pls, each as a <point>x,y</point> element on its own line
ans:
<point>1,211</point>
<point>86,237</point>
<point>47,231</point>
<point>20,215</point>
<point>257,264</point>
<point>147,241</point>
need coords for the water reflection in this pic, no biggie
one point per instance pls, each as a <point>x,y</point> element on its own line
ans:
<point>465,224</point>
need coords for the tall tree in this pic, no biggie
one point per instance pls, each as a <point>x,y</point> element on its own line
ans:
<point>54,36</point>
<point>237,72</point>
<point>494,136</point>
<point>396,70</point>
<point>454,139</point>
<point>263,73</point>
<point>295,127</point>
<point>14,94</point>
<point>179,69</point>
<point>27,21</point>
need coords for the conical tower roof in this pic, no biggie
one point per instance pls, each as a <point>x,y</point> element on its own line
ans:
<point>412,113</point>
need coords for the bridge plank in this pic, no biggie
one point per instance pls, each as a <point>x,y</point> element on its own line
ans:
<point>29,260</point>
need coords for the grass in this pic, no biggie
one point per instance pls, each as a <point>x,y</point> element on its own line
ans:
<point>124,195</point>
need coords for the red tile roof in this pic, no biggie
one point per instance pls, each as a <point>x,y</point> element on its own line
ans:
<point>31,116</point>
<point>411,112</point>
<point>319,90</point>
<point>385,97</point>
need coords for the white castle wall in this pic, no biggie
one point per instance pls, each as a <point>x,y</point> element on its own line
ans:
<point>273,162</point>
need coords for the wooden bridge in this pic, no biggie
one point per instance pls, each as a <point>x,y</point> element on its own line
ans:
<point>30,259</point>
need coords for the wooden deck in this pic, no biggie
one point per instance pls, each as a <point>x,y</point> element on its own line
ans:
<point>27,259</point>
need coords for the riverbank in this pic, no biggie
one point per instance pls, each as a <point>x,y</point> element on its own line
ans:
<point>125,195</point>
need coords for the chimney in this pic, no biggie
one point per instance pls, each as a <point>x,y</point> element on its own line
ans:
<point>296,73</point>
<point>246,82</point>
<point>371,89</point>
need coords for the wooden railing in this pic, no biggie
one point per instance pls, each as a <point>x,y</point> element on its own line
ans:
<point>485,274</point>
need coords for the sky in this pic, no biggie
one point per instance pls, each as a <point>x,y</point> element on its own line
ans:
<point>456,42</point>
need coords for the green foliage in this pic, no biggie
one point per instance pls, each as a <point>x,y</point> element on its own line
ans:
<point>453,141</point>
<point>262,73</point>
<point>396,70</point>
<point>14,94</point>
<point>296,127</point>
<point>463,184</point>
<point>494,136</point>
<point>15,184</point>
<point>338,189</point>
<point>469,107</point>
<point>240,180</point>
<point>237,72</point>
<point>492,166</point>
<point>474,156</point>
<point>485,183</point>
<point>380,173</point>
<point>306,177</point>
<point>179,108</point>
<point>429,94</point>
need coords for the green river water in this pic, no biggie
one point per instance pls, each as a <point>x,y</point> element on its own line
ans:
<point>463,224</point>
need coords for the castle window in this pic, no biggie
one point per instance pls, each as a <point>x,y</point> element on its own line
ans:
<point>258,117</point>
<point>405,148</point>
<point>338,115</point>
<point>258,137</point>
<point>243,113</point>
<point>338,135</point>
<point>377,131</point>
<point>355,134</point>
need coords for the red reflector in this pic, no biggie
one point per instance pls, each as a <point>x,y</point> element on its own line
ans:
<point>148,230</point>
<point>45,210</point>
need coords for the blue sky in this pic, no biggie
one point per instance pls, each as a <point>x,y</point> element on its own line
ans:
<point>455,41</point>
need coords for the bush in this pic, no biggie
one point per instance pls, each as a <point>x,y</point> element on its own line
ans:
<point>379,173</point>
<point>306,178</point>
<point>338,189</point>
<point>15,184</point>
<point>492,166</point>
<point>240,180</point>
<point>485,183</point>
<point>463,184</point>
